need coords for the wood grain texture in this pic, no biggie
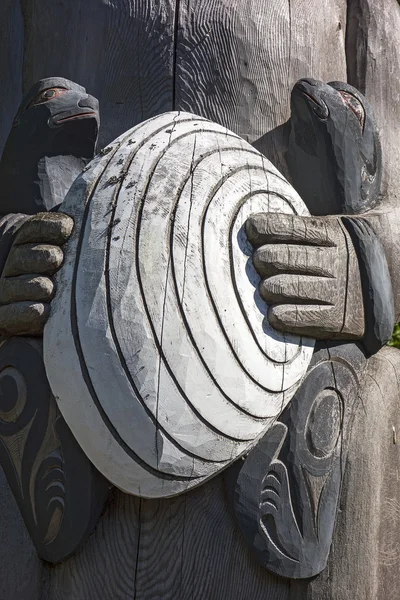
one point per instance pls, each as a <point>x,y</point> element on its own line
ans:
<point>373,62</point>
<point>189,547</point>
<point>11,57</point>
<point>177,371</point>
<point>237,62</point>
<point>184,548</point>
<point>122,52</point>
<point>373,59</point>
<point>105,566</point>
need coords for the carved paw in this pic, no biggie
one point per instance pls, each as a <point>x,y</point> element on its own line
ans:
<point>309,275</point>
<point>26,288</point>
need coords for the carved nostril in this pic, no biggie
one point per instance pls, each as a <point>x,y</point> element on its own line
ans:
<point>88,102</point>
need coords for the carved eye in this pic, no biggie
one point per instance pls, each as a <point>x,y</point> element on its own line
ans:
<point>47,95</point>
<point>355,105</point>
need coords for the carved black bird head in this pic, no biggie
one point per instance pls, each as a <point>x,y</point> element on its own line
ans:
<point>53,136</point>
<point>334,155</point>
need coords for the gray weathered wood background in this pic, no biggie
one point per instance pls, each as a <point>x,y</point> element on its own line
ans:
<point>235,62</point>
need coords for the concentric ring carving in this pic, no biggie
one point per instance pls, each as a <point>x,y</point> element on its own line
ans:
<point>178,370</point>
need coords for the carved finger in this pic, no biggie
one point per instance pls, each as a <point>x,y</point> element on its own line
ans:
<point>317,321</point>
<point>23,318</point>
<point>26,288</point>
<point>40,259</point>
<point>46,228</point>
<point>298,289</point>
<point>273,228</point>
<point>273,259</point>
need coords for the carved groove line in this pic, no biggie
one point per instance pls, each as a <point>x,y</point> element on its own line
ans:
<point>125,169</point>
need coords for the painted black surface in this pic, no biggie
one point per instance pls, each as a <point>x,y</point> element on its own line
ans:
<point>53,136</point>
<point>335,161</point>
<point>376,283</point>
<point>334,154</point>
<point>287,491</point>
<point>59,492</point>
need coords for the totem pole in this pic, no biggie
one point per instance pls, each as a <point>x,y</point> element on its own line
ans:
<point>181,434</point>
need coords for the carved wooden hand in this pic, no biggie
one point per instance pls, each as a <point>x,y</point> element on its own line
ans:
<point>26,287</point>
<point>310,275</point>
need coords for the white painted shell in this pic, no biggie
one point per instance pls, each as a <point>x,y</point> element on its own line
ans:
<point>158,349</point>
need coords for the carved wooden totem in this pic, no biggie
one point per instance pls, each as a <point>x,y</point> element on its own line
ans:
<point>178,360</point>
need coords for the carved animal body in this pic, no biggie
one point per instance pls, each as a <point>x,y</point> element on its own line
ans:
<point>57,489</point>
<point>335,161</point>
<point>176,370</point>
<point>334,156</point>
<point>287,490</point>
<point>53,137</point>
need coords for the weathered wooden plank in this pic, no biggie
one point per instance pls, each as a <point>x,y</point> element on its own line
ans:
<point>121,51</point>
<point>106,566</point>
<point>373,59</point>
<point>237,62</point>
<point>185,547</point>
<point>206,557</point>
<point>11,56</point>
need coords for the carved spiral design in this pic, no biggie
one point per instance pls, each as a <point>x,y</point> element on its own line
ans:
<point>178,370</point>
<point>13,394</point>
<point>324,423</point>
<point>18,383</point>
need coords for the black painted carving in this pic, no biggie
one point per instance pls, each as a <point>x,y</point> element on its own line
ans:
<point>376,283</point>
<point>334,154</point>
<point>59,492</point>
<point>288,488</point>
<point>335,160</point>
<point>53,137</point>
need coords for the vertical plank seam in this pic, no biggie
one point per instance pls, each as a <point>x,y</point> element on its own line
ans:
<point>175,53</point>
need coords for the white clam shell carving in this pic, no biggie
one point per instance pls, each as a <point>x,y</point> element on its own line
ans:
<point>158,349</point>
